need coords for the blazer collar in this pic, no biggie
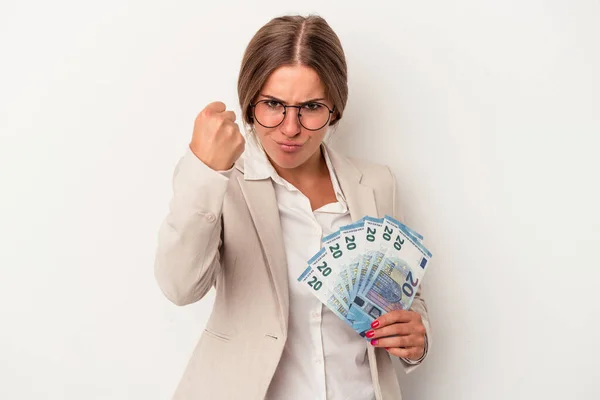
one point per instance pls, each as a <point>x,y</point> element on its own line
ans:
<point>359,195</point>
<point>255,166</point>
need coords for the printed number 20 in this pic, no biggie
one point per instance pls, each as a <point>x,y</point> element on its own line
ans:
<point>336,252</point>
<point>324,269</point>
<point>409,285</point>
<point>350,245</point>
<point>315,283</point>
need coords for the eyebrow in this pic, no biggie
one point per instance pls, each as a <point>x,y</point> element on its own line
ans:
<point>302,102</point>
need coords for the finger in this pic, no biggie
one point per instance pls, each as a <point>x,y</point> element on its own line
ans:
<point>399,329</point>
<point>393,317</point>
<point>412,353</point>
<point>229,115</point>
<point>215,107</point>
<point>229,126</point>
<point>399,341</point>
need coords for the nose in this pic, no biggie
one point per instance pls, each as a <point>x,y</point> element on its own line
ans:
<point>290,126</point>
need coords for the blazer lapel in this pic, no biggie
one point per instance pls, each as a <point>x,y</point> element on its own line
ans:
<point>262,203</point>
<point>360,197</point>
<point>361,202</point>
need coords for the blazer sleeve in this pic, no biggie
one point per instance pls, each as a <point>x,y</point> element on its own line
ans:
<point>187,259</point>
<point>418,303</point>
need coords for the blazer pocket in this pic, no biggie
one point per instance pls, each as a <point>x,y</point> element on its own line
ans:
<point>217,335</point>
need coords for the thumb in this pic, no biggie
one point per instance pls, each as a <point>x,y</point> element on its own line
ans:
<point>216,107</point>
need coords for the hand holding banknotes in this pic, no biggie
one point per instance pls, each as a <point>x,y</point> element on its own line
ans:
<point>217,140</point>
<point>368,274</point>
<point>400,332</point>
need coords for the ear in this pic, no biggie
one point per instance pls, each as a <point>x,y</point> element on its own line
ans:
<point>335,118</point>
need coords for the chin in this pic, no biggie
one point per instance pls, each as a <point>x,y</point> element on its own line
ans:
<point>287,160</point>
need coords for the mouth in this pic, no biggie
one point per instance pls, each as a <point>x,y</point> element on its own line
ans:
<point>289,147</point>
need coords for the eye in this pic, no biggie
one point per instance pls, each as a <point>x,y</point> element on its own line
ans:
<point>312,106</point>
<point>273,104</point>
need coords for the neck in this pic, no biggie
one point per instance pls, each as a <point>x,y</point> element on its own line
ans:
<point>314,167</point>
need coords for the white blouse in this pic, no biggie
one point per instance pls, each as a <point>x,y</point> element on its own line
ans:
<point>323,357</point>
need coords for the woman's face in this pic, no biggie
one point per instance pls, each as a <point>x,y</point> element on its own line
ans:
<point>289,145</point>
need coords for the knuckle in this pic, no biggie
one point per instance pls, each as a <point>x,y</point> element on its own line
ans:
<point>400,329</point>
<point>221,122</point>
<point>226,125</point>
<point>388,330</point>
<point>381,332</point>
<point>405,341</point>
<point>205,113</point>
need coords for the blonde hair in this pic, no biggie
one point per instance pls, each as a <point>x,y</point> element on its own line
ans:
<point>294,40</point>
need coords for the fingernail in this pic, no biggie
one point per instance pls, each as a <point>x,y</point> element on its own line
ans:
<point>374,342</point>
<point>387,348</point>
<point>370,334</point>
<point>375,324</point>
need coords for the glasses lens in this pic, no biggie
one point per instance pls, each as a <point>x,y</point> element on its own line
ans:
<point>314,116</point>
<point>269,113</point>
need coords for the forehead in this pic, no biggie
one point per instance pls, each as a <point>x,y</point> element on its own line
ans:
<point>294,83</point>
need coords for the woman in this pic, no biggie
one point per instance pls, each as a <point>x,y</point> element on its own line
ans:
<point>248,226</point>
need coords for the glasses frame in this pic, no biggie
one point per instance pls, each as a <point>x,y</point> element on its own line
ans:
<point>285,107</point>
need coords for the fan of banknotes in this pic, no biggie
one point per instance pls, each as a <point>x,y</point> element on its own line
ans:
<point>367,268</point>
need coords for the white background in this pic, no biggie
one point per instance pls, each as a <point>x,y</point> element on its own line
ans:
<point>488,112</point>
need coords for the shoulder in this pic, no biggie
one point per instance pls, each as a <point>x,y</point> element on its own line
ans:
<point>379,177</point>
<point>372,173</point>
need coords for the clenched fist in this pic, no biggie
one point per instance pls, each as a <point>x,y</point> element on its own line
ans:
<point>217,140</point>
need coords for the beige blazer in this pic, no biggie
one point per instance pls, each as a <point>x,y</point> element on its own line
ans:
<point>227,233</point>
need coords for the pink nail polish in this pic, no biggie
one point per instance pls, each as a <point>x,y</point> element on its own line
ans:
<point>370,334</point>
<point>374,342</point>
<point>375,324</point>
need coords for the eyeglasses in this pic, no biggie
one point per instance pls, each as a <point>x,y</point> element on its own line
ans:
<point>312,116</point>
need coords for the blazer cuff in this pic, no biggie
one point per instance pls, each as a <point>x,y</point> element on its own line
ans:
<point>191,163</point>
<point>226,173</point>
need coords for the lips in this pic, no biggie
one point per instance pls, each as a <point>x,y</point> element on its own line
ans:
<point>289,144</point>
<point>289,147</point>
